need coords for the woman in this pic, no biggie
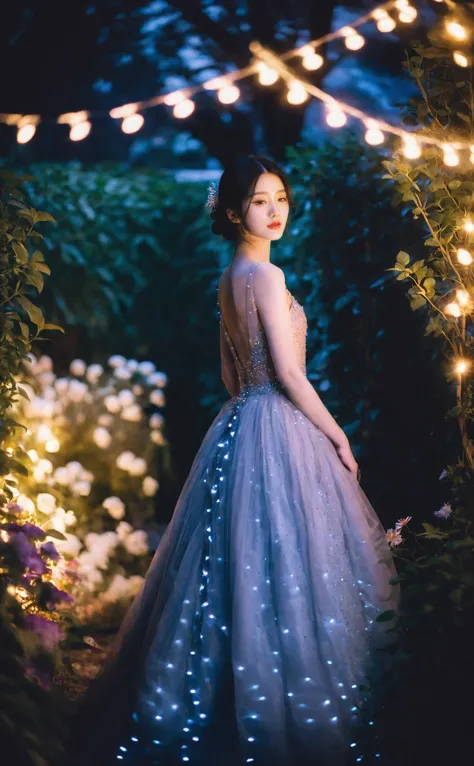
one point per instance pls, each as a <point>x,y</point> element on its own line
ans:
<point>256,621</point>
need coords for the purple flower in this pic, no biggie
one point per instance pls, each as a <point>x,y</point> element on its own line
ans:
<point>28,529</point>
<point>55,596</point>
<point>444,512</point>
<point>49,549</point>
<point>14,508</point>
<point>49,633</point>
<point>28,554</point>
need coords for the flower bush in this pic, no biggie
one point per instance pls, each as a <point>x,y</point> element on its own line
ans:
<point>92,440</point>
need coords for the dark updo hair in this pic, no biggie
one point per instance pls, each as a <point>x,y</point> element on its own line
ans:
<point>237,182</point>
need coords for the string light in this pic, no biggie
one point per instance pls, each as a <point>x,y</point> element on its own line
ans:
<point>450,156</point>
<point>25,133</point>
<point>266,75</point>
<point>461,366</point>
<point>297,93</point>
<point>228,94</point>
<point>408,14</point>
<point>386,24</point>
<point>456,30</point>
<point>80,131</point>
<point>132,123</point>
<point>468,226</point>
<point>312,60</point>
<point>410,147</point>
<point>354,41</point>
<point>335,117</point>
<point>453,309</point>
<point>471,149</point>
<point>373,135</point>
<point>171,99</point>
<point>183,109</point>
<point>460,59</point>
<point>120,112</point>
<point>463,297</point>
<point>464,256</point>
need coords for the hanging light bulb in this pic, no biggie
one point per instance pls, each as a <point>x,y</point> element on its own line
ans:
<point>25,133</point>
<point>313,61</point>
<point>228,94</point>
<point>401,4</point>
<point>463,297</point>
<point>386,24</point>
<point>354,41</point>
<point>461,366</point>
<point>379,13</point>
<point>335,117</point>
<point>468,226</point>
<point>266,75</point>
<point>456,30</point>
<point>80,131</point>
<point>373,135</point>
<point>297,93</point>
<point>460,59</point>
<point>120,112</point>
<point>183,109</point>
<point>408,14</point>
<point>453,309</point>
<point>132,123</point>
<point>215,83</point>
<point>450,156</point>
<point>464,256</point>
<point>410,147</point>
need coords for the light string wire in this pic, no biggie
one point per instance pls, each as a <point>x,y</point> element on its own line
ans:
<point>132,121</point>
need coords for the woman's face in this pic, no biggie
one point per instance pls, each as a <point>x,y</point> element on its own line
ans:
<point>267,206</point>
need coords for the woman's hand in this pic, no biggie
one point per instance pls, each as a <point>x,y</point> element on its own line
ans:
<point>344,452</point>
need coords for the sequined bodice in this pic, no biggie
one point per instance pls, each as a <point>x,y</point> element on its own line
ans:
<point>258,369</point>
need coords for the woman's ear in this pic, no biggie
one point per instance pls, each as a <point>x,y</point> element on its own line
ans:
<point>232,216</point>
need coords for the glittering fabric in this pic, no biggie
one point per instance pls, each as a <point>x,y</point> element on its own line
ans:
<point>256,621</point>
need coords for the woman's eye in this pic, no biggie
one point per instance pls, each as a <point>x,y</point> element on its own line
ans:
<point>282,199</point>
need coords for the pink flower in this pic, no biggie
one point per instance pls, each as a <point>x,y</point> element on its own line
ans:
<point>393,537</point>
<point>403,522</point>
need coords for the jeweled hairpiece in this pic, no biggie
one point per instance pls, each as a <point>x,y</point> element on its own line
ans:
<point>212,196</point>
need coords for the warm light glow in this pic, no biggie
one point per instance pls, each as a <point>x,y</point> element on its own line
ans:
<point>25,133</point>
<point>228,94</point>
<point>80,131</point>
<point>335,117</point>
<point>33,455</point>
<point>450,156</point>
<point>460,59</point>
<point>215,83</point>
<point>379,13</point>
<point>174,98</point>
<point>456,30</point>
<point>296,93</point>
<point>453,309</point>
<point>401,4</point>
<point>386,24</point>
<point>461,366</point>
<point>132,123</point>
<point>184,109</point>
<point>408,15</point>
<point>463,297</point>
<point>355,42</point>
<point>464,257</point>
<point>120,112</point>
<point>267,76</point>
<point>52,445</point>
<point>44,433</point>
<point>373,135</point>
<point>469,226</point>
<point>313,61</point>
<point>411,148</point>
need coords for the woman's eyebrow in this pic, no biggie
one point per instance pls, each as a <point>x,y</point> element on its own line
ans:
<point>264,192</point>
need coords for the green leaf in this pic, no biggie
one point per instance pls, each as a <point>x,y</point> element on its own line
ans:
<point>41,216</point>
<point>403,258</point>
<point>454,184</point>
<point>54,533</point>
<point>36,279</point>
<point>20,251</point>
<point>50,326</point>
<point>34,313</point>
<point>40,266</point>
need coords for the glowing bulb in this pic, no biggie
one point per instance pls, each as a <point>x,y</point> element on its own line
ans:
<point>401,4</point>
<point>453,309</point>
<point>297,93</point>
<point>411,148</point>
<point>379,13</point>
<point>464,256</point>
<point>80,131</point>
<point>267,76</point>
<point>335,117</point>
<point>52,445</point>
<point>25,133</point>
<point>132,123</point>
<point>306,50</point>
<point>450,157</point>
<point>355,42</point>
<point>469,226</point>
<point>456,30</point>
<point>183,109</point>
<point>44,433</point>
<point>33,455</point>
<point>228,94</point>
<point>373,135</point>
<point>174,98</point>
<point>123,111</point>
<point>461,366</point>
<point>460,59</point>
<point>408,14</point>
<point>313,61</point>
<point>463,297</point>
<point>386,24</point>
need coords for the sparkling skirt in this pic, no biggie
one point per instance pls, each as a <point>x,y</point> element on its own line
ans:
<point>256,621</point>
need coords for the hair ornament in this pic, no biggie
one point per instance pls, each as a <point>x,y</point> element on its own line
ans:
<point>212,196</point>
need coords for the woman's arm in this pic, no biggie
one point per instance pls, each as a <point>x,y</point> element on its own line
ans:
<point>228,370</point>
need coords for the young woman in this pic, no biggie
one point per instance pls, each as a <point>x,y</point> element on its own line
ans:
<point>256,622</point>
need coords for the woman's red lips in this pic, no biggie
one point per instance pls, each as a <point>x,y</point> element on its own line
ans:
<point>275,225</point>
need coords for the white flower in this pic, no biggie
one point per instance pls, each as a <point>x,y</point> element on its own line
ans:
<point>146,368</point>
<point>62,519</point>
<point>102,438</point>
<point>126,397</point>
<point>101,547</point>
<point>49,394</point>
<point>137,389</point>
<point>58,408</point>
<point>156,420</point>
<point>94,371</point>
<point>393,537</point>
<point>86,475</point>
<point>77,390</point>
<point>115,506</point>
<point>133,413</point>
<point>122,373</point>
<point>70,546</point>
<point>135,582</point>
<point>119,588</point>
<point>112,403</point>
<point>158,379</point>
<point>123,529</point>
<point>132,365</point>
<point>137,467</point>
<point>61,385</point>
<point>105,420</point>
<point>61,476</point>
<point>157,438</point>
<point>137,542</point>
<point>81,488</point>
<point>149,486</point>
<point>39,408</point>
<point>77,367</point>
<point>26,503</point>
<point>157,397</point>
<point>74,468</point>
<point>45,364</point>
<point>45,502</point>
<point>125,460</point>
<point>116,361</point>
<point>444,512</point>
<point>45,465</point>
<point>46,379</point>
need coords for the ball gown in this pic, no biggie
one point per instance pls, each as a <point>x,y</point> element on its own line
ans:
<point>255,624</point>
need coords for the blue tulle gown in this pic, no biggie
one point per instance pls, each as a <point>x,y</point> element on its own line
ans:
<point>256,621</point>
